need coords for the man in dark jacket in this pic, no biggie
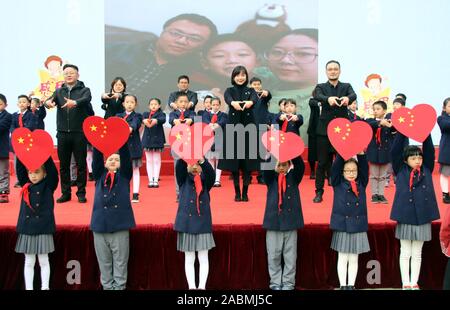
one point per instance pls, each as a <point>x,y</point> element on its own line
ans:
<point>73,101</point>
<point>334,97</point>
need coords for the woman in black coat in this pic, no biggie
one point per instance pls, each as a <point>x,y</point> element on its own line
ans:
<point>113,101</point>
<point>241,100</point>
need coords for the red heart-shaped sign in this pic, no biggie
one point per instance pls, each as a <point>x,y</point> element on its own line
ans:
<point>349,138</point>
<point>191,143</point>
<point>106,135</point>
<point>283,145</point>
<point>32,148</point>
<point>415,123</point>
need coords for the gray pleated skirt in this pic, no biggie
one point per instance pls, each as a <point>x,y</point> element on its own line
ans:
<point>35,244</point>
<point>444,170</point>
<point>413,232</point>
<point>137,162</point>
<point>194,242</point>
<point>353,243</point>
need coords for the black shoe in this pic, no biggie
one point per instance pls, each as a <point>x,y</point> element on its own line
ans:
<point>63,198</point>
<point>73,183</point>
<point>90,177</point>
<point>382,199</point>
<point>82,199</point>
<point>446,198</point>
<point>237,192</point>
<point>375,199</point>
<point>350,288</point>
<point>312,176</point>
<point>244,197</point>
<point>318,197</point>
<point>343,288</point>
<point>135,198</point>
<point>260,180</point>
<point>155,184</point>
<point>245,193</point>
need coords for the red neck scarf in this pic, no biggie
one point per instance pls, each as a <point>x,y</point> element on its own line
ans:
<point>354,187</point>
<point>25,193</point>
<point>354,115</point>
<point>281,189</point>
<point>20,119</point>
<point>151,114</point>
<point>411,177</point>
<point>182,115</point>
<point>110,175</point>
<point>126,116</point>
<point>378,136</point>
<point>214,118</point>
<point>198,190</point>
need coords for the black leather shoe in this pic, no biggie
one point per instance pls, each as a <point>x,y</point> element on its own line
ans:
<point>63,198</point>
<point>244,197</point>
<point>82,199</point>
<point>91,177</point>
<point>446,198</point>
<point>318,197</point>
<point>237,197</point>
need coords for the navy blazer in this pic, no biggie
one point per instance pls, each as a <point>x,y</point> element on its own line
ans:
<point>222,120</point>
<point>112,210</point>
<point>292,126</point>
<point>353,116</point>
<point>418,205</point>
<point>261,110</point>
<point>113,106</point>
<point>444,145</point>
<point>41,219</point>
<point>29,120</point>
<point>134,120</point>
<point>5,126</point>
<point>176,115</point>
<point>349,213</point>
<point>187,219</point>
<point>290,217</point>
<point>380,153</point>
<point>192,97</point>
<point>41,113</point>
<point>153,138</point>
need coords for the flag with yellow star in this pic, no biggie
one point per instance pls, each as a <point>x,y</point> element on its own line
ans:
<point>32,148</point>
<point>416,123</point>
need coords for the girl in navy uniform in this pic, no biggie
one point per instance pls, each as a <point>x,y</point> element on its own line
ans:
<point>378,151</point>
<point>153,140</point>
<point>36,223</point>
<point>113,101</point>
<point>352,110</point>
<point>282,217</point>
<point>288,121</point>
<point>444,149</point>
<point>134,120</point>
<point>349,216</point>
<point>206,105</point>
<point>5,125</point>
<point>193,220</point>
<point>415,205</point>
<point>216,119</point>
<point>38,110</point>
<point>112,216</point>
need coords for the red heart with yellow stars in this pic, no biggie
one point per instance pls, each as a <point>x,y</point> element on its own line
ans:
<point>415,123</point>
<point>349,138</point>
<point>106,135</point>
<point>191,143</point>
<point>283,145</point>
<point>32,148</point>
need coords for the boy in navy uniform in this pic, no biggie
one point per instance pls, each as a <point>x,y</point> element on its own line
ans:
<point>182,115</point>
<point>193,221</point>
<point>289,121</point>
<point>38,110</point>
<point>5,125</point>
<point>282,217</point>
<point>112,216</point>
<point>378,151</point>
<point>415,205</point>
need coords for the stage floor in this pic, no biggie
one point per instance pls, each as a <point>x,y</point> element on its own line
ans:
<point>158,206</point>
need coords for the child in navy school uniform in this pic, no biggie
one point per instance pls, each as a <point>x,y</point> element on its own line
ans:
<point>289,121</point>
<point>444,150</point>
<point>112,216</point>
<point>181,115</point>
<point>153,140</point>
<point>193,221</point>
<point>134,120</point>
<point>352,109</point>
<point>5,125</point>
<point>38,110</point>
<point>206,105</point>
<point>217,120</point>
<point>415,205</point>
<point>378,151</point>
<point>282,217</point>
<point>349,216</point>
<point>36,223</point>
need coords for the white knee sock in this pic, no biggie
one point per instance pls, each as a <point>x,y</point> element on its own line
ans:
<point>156,165</point>
<point>28,270</point>
<point>189,269</point>
<point>416,261</point>
<point>149,165</point>
<point>136,180</point>
<point>45,271</point>
<point>342,268</point>
<point>89,161</point>
<point>204,269</point>
<point>405,256</point>
<point>444,183</point>
<point>352,268</point>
